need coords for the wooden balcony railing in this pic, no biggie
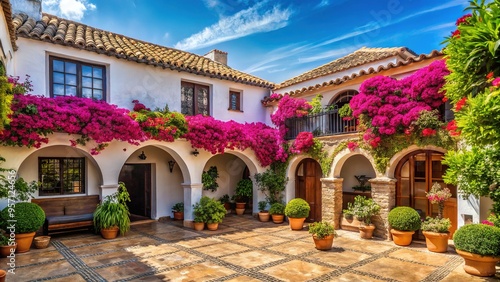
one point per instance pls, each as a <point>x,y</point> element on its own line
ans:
<point>321,124</point>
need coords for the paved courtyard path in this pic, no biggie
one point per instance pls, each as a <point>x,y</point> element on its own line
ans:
<point>243,249</point>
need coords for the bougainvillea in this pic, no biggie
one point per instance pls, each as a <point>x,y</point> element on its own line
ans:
<point>35,117</point>
<point>388,106</point>
<point>302,142</point>
<point>289,107</point>
<point>159,125</point>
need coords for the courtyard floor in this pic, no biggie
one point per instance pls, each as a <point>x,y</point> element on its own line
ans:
<point>243,249</point>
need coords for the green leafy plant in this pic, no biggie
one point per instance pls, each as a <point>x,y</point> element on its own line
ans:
<point>4,240</point>
<point>322,229</point>
<point>244,190</point>
<point>345,111</point>
<point>297,208</point>
<point>316,104</point>
<point>113,211</point>
<point>272,182</point>
<point>23,191</point>
<point>364,208</point>
<point>439,225</point>
<point>224,199</point>
<point>209,210</point>
<point>178,207</point>
<point>404,219</point>
<point>29,217</point>
<point>478,239</point>
<point>209,179</point>
<point>277,208</point>
<point>262,206</point>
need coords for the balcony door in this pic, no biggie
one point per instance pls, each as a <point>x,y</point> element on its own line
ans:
<point>415,175</point>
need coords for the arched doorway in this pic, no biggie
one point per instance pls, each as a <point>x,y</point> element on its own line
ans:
<point>308,186</point>
<point>415,176</point>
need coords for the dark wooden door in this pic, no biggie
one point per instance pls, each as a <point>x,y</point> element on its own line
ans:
<point>137,179</point>
<point>416,174</point>
<point>308,187</point>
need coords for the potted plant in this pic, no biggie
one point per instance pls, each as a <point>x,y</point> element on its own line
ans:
<point>112,215</point>
<point>277,212</point>
<point>178,210</point>
<point>225,200</point>
<point>436,229</point>
<point>364,208</point>
<point>209,179</point>
<point>211,211</point>
<point>404,221</point>
<point>263,213</point>
<point>479,245</point>
<point>29,217</point>
<point>297,210</point>
<point>244,190</point>
<point>7,246</point>
<point>323,234</point>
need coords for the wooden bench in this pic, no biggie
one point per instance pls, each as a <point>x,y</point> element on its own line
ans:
<point>68,212</point>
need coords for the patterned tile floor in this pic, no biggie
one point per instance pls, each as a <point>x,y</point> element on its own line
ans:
<point>243,249</point>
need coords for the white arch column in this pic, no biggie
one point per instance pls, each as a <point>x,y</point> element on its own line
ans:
<point>192,195</point>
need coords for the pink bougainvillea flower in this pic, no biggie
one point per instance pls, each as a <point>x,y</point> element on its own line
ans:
<point>463,20</point>
<point>452,128</point>
<point>496,82</point>
<point>487,222</point>
<point>455,34</point>
<point>428,132</point>
<point>352,146</point>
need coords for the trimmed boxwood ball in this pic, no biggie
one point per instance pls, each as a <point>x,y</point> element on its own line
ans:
<point>478,239</point>
<point>29,217</point>
<point>297,208</point>
<point>404,219</point>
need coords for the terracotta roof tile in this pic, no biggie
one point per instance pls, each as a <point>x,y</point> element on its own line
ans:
<point>7,11</point>
<point>68,33</point>
<point>435,54</point>
<point>357,58</point>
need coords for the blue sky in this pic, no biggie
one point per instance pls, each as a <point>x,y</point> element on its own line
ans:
<point>274,40</point>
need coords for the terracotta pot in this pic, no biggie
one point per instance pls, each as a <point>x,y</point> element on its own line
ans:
<point>3,274</point>
<point>479,265</point>
<point>402,238</point>
<point>324,244</point>
<point>366,231</point>
<point>24,241</point>
<point>7,250</point>
<point>110,233</point>
<point>296,223</point>
<point>264,216</point>
<point>278,218</point>
<point>240,205</point>
<point>42,242</point>
<point>240,211</point>
<point>351,223</point>
<point>227,206</point>
<point>199,226</point>
<point>212,226</point>
<point>179,215</point>
<point>436,242</point>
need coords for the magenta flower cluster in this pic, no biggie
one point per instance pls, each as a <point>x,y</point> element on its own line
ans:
<point>302,142</point>
<point>392,105</point>
<point>289,107</point>
<point>34,117</point>
<point>216,136</point>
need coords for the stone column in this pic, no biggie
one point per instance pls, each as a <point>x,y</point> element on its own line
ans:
<point>384,194</point>
<point>192,195</point>
<point>331,198</point>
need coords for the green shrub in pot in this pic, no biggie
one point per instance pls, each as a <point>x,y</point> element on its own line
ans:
<point>297,208</point>
<point>404,219</point>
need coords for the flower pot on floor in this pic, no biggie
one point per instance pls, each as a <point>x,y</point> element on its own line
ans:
<point>212,226</point>
<point>436,242</point>
<point>366,231</point>
<point>296,223</point>
<point>479,265</point>
<point>324,244</point>
<point>23,241</point>
<point>7,250</point>
<point>42,242</point>
<point>278,218</point>
<point>264,216</point>
<point>110,233</point>
<point>3,275</point>
<point>240,208</point>
<point>199,226</point>
<point>179,215</point>
<point>402,238</point>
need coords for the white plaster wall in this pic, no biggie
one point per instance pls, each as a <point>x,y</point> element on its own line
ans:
<point>355,165</point>
<point>129,81</point>
<point>7,45</point>
<point>230,169</point>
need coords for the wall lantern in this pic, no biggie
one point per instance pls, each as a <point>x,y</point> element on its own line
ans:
<point>142,156</point>
<point>195,152</point>
<point>171,165</point>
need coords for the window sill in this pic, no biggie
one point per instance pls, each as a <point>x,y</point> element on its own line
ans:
<point>238,111</point>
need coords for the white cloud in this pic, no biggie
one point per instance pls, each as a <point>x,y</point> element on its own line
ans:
<point>70,9</point>
<point>323,3</point>
<point>255,19</point>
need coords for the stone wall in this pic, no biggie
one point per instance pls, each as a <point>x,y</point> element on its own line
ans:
<point>331,189</point>
<point>383,193</point>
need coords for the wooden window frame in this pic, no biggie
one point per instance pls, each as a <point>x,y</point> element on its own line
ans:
<point>197,87</point>
<point>82,176</point>
<point>238,101</point>
<point>79,86</point>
